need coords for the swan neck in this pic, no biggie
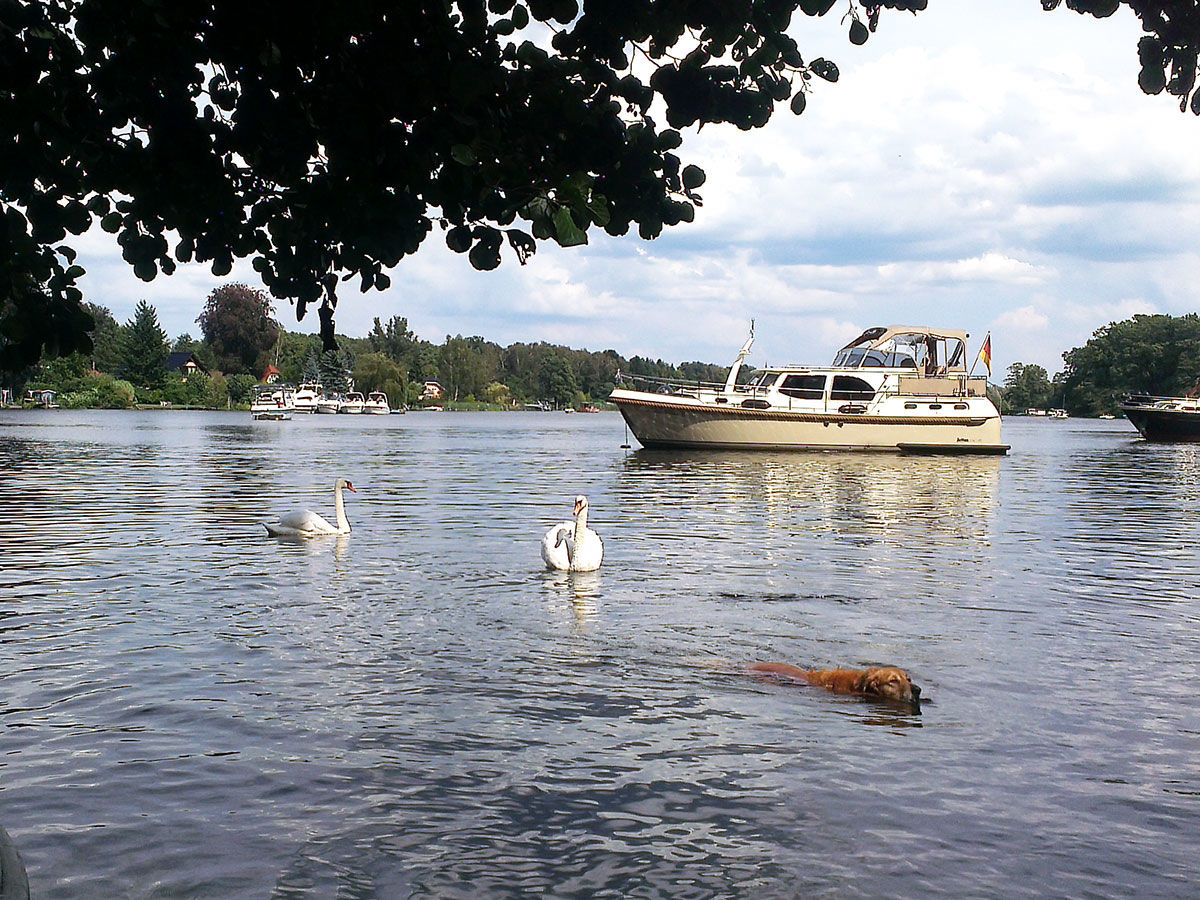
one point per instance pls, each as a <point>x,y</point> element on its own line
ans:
<point>339,504</point>
<point>580,525</point>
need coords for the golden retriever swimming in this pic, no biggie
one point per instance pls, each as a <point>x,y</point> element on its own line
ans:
<point>883,683</point>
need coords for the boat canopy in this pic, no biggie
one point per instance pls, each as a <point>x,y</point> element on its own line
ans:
<point>931,350</point>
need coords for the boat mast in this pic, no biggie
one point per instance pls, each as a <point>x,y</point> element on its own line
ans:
<point>737,363</point>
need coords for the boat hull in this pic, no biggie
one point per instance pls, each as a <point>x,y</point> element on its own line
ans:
<point>658,422</point>
<point>1164,424</point>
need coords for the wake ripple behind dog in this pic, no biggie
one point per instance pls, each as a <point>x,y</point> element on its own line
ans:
<point>884,683</point>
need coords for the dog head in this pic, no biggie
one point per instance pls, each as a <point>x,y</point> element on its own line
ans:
<point>891,684</point>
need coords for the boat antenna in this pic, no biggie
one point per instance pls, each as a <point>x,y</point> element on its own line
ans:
<point>737,363</point>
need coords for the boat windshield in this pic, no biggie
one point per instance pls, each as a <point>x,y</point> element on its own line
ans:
<point>931,352</point>
<point>861,357</point>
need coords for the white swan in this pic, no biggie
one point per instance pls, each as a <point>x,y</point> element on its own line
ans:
<point>571,546</point>
<point>306,523</point>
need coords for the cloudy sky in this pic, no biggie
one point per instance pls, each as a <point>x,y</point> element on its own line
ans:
<point>982,165</point>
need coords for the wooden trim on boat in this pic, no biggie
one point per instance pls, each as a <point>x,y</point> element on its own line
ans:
<point>783,415</point>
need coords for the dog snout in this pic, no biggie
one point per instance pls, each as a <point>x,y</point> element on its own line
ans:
<point>916,698</point>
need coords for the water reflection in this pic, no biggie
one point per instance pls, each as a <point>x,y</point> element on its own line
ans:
<point>417,709</point>
<point>574,592</point>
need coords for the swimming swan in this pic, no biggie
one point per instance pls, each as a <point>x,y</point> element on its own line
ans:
<point>571,546</point>
<point>306,523</point>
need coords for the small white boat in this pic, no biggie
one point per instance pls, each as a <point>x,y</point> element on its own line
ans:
<point>353,403</point>
<point>306,396</point>
<point>897,388</point>
<point>376,404</point>
<point>328,404</point>
<point>274,402</point>
<point>1057,414</point>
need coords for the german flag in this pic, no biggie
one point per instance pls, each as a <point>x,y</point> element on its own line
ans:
<point>985,352</point>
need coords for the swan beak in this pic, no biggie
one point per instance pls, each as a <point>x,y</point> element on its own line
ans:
<point>578,506</point>
<point>350,487</point>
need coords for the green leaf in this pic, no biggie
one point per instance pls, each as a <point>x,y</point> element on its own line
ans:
<point>858,33</point>
<point>693,177</point>
<point>799,102</point>
<point>111,223</point>
<point>463,155</point>
<point>566,232</point>
<point>458,239</point>
<point>484,256</point>
<point>824,68</point>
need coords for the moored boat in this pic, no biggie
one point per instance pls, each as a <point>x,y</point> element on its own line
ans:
<point>376,404</point>
<point>353,403</point>
<point>1164,418</point>
<point>273,402</point>
<point>328,404</point>
<point>306,396</point>
<point>896,388</point>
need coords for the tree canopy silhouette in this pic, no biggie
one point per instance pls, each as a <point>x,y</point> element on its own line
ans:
<point>328,144</point>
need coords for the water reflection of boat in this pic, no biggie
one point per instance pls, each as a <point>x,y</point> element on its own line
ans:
<point>896,388</point>
<point>273,402</point>
<point>876,499</point>
<point>1164,418</point>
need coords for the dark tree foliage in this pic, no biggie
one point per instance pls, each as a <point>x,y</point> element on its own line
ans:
<point>237,323</point>
<point>327,143</point>
<point>1026,387</point>
<point>106,339</point>
<point>1154,354</point>
<point>144,348</point>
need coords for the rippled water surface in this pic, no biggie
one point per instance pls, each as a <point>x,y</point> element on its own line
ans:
<point>417,710</point>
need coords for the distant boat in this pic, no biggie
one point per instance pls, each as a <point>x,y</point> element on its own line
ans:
<point>273,402</point>
<point>1058,414</point>
<point>376,404</point>
<point>353,404</point>
<point>328,404</point>
<point>306,396</point>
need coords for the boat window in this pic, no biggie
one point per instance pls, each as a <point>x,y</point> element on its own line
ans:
<point>804,387</point>
<point>847,387</point>
<point>850,357</point>
<point>763,379</point>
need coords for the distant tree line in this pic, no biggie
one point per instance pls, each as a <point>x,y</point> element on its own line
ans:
<point>240,338</point>
<point>1151,354</point>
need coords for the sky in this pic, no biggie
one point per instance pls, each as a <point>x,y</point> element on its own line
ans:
<point>983,165</point>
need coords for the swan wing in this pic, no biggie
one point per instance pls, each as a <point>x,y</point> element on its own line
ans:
<point>301,521</point>
<point>557,546</point>
<point>588,552</point>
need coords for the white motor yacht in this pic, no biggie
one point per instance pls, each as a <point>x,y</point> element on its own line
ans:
<point>306,397</point>
<point>273,401</point>
<point>353,403</point>
<point>328,404</point>
<point>376,404</point>
<point>896,388</point>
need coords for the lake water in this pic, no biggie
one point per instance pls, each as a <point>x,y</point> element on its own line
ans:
<point>190,709</point>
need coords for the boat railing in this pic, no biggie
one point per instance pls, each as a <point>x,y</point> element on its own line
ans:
<point>1153,400</point>
<point>678,387</point>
